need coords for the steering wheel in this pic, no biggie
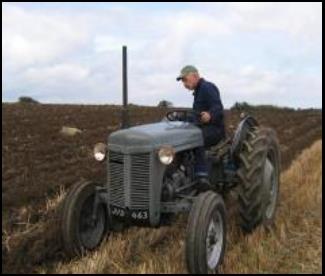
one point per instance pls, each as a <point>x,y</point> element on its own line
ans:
<point>183,115</point>
<point>175,115</point>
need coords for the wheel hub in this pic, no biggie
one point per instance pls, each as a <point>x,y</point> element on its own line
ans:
<point>214,242</point>
<point>91,229</point>
<point>271,186</point>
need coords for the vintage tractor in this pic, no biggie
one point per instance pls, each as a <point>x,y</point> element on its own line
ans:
<point>150,178</point>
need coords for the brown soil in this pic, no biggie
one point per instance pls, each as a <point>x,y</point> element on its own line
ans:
<point>39,164</point>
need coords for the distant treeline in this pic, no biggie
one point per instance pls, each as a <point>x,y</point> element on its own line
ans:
<point>29,100</point>
<point>237,106</point>
<point>244,106</point>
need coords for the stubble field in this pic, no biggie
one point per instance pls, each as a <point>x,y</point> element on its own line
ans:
<point>39,164</point>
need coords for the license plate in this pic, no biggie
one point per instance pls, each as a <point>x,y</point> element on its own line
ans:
<point>140,215</point>
<point>118,211</point>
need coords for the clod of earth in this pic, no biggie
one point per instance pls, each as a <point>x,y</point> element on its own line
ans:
<point>70,131</point>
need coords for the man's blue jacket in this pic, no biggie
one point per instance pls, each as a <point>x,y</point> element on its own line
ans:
<point>207,98</point>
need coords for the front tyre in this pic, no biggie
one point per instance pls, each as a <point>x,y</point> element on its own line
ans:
<point>206,234</point>
<point>83,227</point>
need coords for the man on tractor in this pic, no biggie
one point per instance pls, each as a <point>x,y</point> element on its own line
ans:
<point>208,106</point>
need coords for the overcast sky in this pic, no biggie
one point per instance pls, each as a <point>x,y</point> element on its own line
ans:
<point>262,53</point>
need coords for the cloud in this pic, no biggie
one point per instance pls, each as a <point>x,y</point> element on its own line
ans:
<point>301,20</point>
<point>32,38</point>
<point>258,52</point>
<point>65,72</point>
<point>271,87</point>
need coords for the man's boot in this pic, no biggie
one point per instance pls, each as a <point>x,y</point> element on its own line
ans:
<point>203,184</point>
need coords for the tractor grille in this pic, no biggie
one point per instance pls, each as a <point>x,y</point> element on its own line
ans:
<point>129,180</point>
<point>116,168</point>
<point>140,179</point>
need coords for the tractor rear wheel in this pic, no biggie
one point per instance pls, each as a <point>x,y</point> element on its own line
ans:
<point>259,175</point>
<point>83,228</point>
<point>206,234</point>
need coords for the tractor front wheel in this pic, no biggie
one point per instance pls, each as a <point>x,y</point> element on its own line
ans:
<point>84,222</point>
<point>206,234</point>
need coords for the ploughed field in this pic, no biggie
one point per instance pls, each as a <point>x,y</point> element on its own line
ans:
<point>39,164</point>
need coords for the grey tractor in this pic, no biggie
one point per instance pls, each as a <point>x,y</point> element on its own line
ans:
<point>150,179</point>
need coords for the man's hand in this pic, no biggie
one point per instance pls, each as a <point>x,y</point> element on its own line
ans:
<point>205,117</point>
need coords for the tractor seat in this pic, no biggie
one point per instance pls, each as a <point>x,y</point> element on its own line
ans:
<point>220,148</point>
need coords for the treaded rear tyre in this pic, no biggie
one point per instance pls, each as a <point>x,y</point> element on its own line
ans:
<point>261,146</point>
<point>207,207</point>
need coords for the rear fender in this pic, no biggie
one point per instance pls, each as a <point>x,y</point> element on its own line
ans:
<point>246,124</point>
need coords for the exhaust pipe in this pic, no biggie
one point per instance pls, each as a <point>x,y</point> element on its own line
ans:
<point>125,115</point>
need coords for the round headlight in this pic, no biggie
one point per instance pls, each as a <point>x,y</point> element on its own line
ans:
<point>166,154</point>
<point>100,152</point>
